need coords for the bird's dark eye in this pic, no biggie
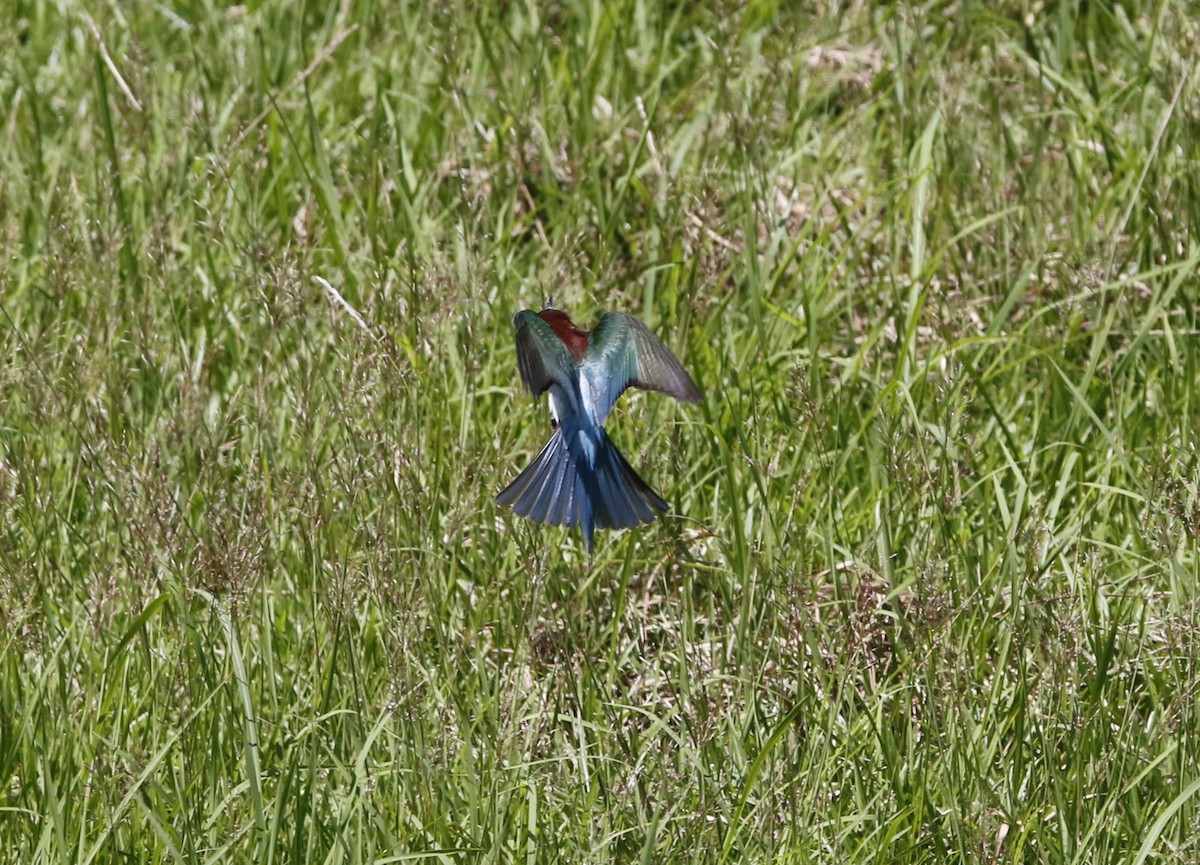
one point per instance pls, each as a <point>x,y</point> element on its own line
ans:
<point>553,423</point>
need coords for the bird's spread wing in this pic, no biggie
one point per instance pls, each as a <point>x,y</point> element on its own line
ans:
<point>542,357</point>
<point>634,357</point>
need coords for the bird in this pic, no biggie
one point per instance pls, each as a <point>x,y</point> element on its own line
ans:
<point>580,478</point>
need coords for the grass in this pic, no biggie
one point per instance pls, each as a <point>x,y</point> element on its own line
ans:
<point>929,589</point>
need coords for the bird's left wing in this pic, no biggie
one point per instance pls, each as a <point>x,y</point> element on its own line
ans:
<point>543,358</point>
<point>634,357</point>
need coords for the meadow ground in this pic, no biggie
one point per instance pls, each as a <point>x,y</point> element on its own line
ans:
<point>929,589</point>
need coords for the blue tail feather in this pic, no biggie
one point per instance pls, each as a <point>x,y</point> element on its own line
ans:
<point>580,479</point>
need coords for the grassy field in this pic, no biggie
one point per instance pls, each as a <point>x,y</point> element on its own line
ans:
<point>929,590</point>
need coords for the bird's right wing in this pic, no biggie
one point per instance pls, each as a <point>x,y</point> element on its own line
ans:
<point>632,356</point>
<point>541,356</point>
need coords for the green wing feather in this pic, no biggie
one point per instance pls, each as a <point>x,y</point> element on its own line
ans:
<point>541,356</point>
<point>635,357</point>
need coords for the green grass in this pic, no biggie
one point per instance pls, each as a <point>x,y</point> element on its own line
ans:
<point>929,590</point>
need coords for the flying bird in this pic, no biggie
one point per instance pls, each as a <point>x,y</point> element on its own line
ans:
<point>580,478</point>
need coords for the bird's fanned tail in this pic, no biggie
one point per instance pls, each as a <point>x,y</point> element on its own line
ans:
<point>581,479</point>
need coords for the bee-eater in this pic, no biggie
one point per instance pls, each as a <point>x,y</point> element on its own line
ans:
<point>580,478</point>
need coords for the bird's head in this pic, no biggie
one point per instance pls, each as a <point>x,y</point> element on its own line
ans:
<point>576,340</point>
